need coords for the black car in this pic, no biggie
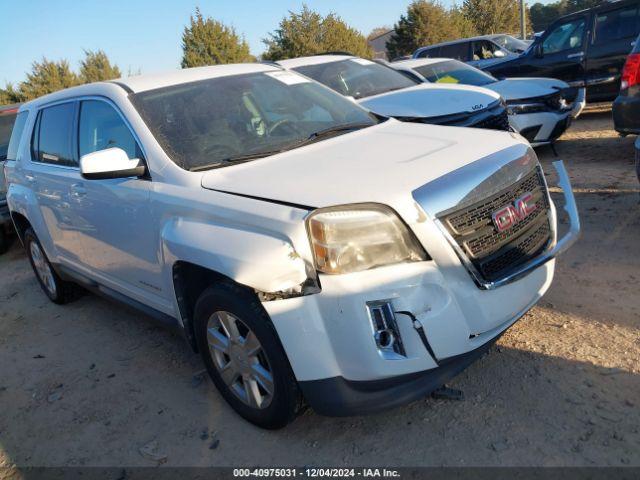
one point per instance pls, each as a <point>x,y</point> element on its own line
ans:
<point>587,48</point>
<point>626,108</point>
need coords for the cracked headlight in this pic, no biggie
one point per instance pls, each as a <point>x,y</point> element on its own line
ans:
<point>359,237</point>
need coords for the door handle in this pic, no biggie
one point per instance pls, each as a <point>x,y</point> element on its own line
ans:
<point>78,190</point>
<point>30,178</point>
<point>576,55</point>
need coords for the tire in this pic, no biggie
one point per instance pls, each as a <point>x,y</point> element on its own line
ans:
<point>54,287</point>
<point>244,356</point>
<point>4,239</point>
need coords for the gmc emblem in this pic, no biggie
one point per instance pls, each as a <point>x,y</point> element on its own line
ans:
<point>511,214</point>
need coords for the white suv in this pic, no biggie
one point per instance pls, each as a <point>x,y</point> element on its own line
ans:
<point>306,248</point>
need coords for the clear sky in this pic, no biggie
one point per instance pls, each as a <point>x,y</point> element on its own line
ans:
<point>145,35</point>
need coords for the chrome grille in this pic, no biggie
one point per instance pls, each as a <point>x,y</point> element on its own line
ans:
<point>494,254</point>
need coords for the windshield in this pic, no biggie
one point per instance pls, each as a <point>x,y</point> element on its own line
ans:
<point>357,77</point>
<point>453,71</point>
<point>6,125</point>
<point>221,121</point>
<point>511,43</point>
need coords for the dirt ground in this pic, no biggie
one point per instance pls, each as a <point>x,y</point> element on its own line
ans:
<point>92,384</point>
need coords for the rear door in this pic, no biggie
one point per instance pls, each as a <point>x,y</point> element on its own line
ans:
<point>561,52</point>
<point>614,32</point>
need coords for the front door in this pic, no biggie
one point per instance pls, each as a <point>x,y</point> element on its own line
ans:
<point>561,53</point>
<point>614,33</point>
<point>121,247</point>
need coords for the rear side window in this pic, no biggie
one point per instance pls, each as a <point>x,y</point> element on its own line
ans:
<point>16,135</point>
<point>457,51</point>
<point>616,25</point>
<point>101,127</point>
<point>53,137</point>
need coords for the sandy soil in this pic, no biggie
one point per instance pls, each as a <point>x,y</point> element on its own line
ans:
<point>91,383</point>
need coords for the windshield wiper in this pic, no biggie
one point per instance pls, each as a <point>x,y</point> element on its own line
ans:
<point>235,160</point>
<point>320,134</point>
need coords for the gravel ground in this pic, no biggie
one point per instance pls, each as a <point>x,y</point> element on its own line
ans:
<point>91,383</point>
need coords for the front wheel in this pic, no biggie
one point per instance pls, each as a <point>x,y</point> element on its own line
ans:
<point>244,357</point>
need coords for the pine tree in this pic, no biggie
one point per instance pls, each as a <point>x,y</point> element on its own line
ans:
<point>47,77</point>
<point>96,67</point>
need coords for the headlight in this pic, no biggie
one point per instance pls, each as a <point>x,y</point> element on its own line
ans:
<point>359,237</point>
<point>520,108</point>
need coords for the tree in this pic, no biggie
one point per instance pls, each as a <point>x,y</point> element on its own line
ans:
<point>206,41</point>
<point>376,32</point>
<point>47,77</point>
<point>463,25</point>
<point>309,33</point>
<point>493,16</point>
<point>426,22</point>
<point>9,95</point>
<point>543,15</point>
<point>96,67</point>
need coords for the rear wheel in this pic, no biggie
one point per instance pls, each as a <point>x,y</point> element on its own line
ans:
<point>244,357</point>
<point>55,288</point>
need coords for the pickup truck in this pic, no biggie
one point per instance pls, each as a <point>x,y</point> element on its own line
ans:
<point>306,248</point>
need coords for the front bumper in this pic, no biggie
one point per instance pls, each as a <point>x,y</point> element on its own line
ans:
<point>329,338</point>
<point>541,128</point>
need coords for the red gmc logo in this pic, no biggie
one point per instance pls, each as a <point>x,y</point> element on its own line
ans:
<point>511,214</point>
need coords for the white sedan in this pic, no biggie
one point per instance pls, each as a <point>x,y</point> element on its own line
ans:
<point>540,109</point>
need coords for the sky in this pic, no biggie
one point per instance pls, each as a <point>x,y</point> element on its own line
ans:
<point>145,35</point>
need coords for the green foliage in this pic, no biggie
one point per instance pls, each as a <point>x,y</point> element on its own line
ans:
<point>543,15</point>
<point>493,16</point>
<point>96,67</point>
<point>9,95</point>
<point>206,41</point>
<point>426,22</point>
<point>47,77</point>
<point>309,33</point>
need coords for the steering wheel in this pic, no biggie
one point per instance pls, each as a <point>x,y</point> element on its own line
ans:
<point>278,124</point>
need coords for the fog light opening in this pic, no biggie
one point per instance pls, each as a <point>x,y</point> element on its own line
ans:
<point>385,330</point>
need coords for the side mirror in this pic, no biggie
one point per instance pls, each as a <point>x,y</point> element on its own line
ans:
<point>110,163</point>
<point>537,50</point>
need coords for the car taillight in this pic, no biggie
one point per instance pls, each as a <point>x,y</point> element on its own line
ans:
<point>631,71</point>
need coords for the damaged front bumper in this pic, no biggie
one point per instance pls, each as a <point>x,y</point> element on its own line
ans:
<point>445,321</point>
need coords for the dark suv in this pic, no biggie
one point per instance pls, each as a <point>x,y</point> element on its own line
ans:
<point>7,118</point>
<point>626,108</point>
<point>587,48</point>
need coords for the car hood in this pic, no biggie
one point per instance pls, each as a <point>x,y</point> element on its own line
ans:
<point>428,100</point>
<point>523,88</point>
<point>383,163</point>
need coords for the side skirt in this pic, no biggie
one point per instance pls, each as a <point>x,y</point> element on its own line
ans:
<point>165,320</point>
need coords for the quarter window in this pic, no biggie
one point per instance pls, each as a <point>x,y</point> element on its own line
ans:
<point>53,136</point>
<point>16,135</point>
<point>101,127</point>
<point>567,36</point>
<point>616,25</point>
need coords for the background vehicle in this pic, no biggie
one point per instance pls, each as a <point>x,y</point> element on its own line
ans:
<point>479,51</point>
<point>637,145</point>
<point>586,48</point>
<point>7,118</point>
<point>385,91</point>
<point>540,108</point>
<point>626,107</point>
<point>511,43</point>
<point>293,237</point>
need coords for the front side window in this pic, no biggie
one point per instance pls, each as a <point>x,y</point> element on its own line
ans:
<point>6,125</point>
<point>53,137</point>
<point>510,43</point>
<point>101,127</point>
<point>226,120</point>
<point>11,152</point>
<point>458,51</point>
<point>567,36</point>
<point>357,77</point>
<point>616,25</point>
<point>452,71</point>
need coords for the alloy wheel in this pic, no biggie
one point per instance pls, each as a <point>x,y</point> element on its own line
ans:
<point>42,267</point>
<point>240,359</point>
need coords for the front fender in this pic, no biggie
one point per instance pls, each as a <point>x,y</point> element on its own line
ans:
<point>258,260</point>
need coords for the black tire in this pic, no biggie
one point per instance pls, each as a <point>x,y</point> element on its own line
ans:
<point>61,292</point>
<point>4,239</point>
<point>286,399</point>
